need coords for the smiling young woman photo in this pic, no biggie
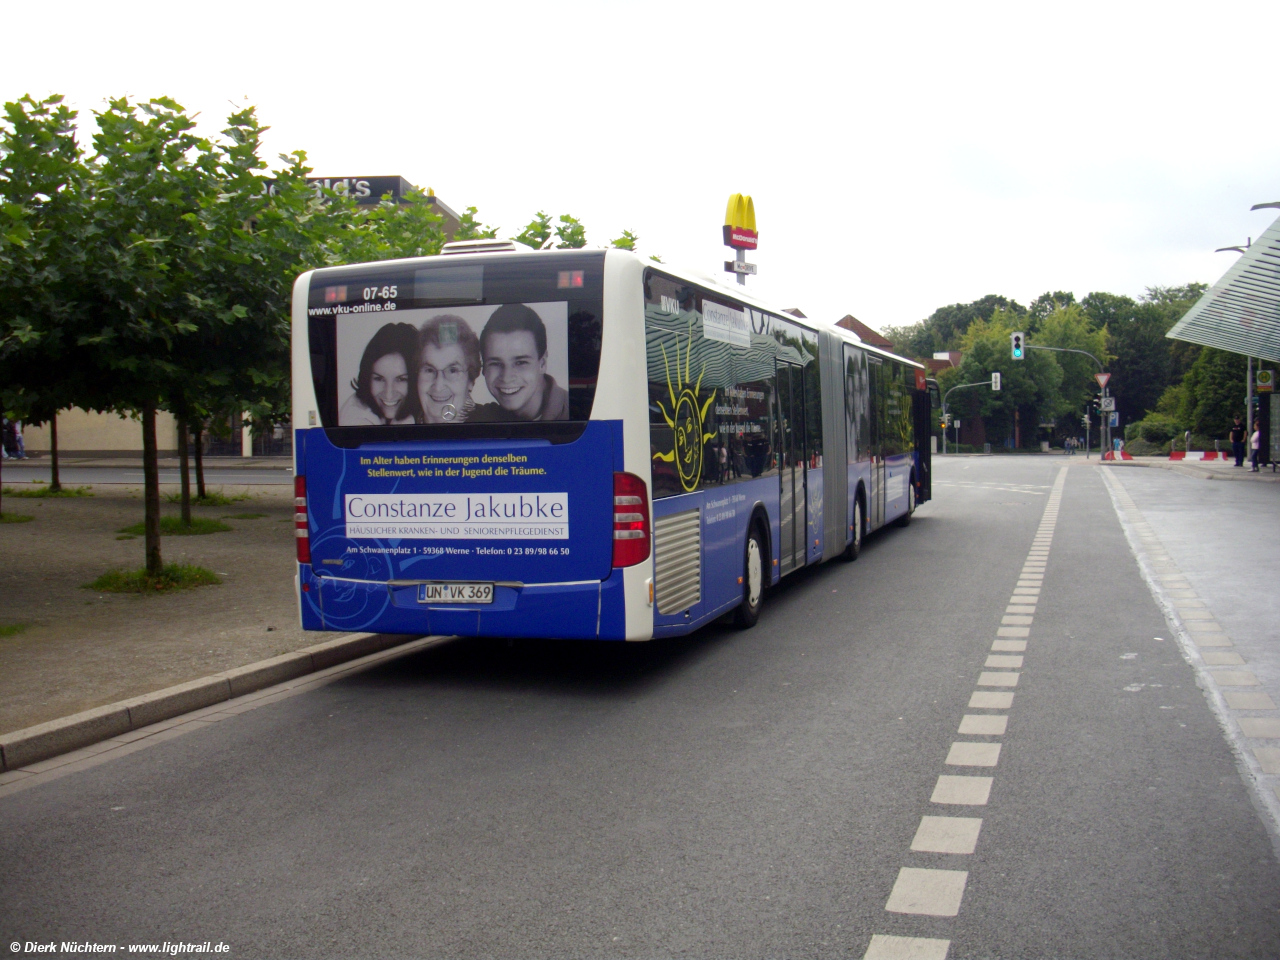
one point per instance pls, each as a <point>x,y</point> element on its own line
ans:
<point>384,387</point>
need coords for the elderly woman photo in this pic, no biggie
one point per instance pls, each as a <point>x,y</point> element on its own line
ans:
<point>447,369</point>
<point>384,387</point>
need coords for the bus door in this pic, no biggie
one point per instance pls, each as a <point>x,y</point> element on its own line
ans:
<point>922,414</point>
<point>875,445</point>
<point>791,467</point>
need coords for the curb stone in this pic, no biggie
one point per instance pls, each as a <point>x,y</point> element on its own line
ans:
<point>20,748</point>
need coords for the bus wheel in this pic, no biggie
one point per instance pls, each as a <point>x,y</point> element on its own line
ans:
<point>855,545</point>
<point>911,503</point>
<point>748,611</point>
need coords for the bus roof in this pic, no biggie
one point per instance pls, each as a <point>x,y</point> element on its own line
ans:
<point>735,291</point>
<point>740,293</point>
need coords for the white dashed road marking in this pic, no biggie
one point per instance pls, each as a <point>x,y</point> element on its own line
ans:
<point>947,835</point>
<point>934,893</point>
<point>938,893</point>
<point>885,947</point>
<point>969,791</point>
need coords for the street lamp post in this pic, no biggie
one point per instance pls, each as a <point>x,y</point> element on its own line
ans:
<point>1248,391</point>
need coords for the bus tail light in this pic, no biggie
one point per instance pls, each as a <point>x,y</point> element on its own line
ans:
<point>630,520</point>
<point>301,533</point>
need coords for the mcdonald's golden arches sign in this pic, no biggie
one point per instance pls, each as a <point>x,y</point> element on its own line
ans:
<point>740,223</point>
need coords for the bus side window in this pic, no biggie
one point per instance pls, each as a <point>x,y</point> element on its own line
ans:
<point>710,398</point>
<point>813,402</point>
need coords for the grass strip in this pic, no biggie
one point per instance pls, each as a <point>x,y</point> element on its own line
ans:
<point>214,499</point>
<point>12,629</point>
<point>42,493</point>
<point>174,527</point>
<point>174,576</point>
<point>244,516</point>
<point>15,518</point>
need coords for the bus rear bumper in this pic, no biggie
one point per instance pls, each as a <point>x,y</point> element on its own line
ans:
<point>586,610</point>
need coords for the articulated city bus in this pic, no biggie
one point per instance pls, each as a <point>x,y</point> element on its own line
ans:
<point>579,444</point>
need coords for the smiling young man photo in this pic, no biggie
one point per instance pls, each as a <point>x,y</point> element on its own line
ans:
<point>513,349</point>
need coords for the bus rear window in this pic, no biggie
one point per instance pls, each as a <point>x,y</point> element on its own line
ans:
<point>504,347</point>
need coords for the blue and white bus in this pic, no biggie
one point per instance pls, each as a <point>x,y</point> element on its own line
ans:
<point>579,444</point>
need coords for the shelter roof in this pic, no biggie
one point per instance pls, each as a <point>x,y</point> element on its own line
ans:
<point>1241,312</point>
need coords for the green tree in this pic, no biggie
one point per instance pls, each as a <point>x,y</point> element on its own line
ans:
<point>537,232</point>
<point>627,241</point>
<point>571,233</point>
<point>151,174</point>
<point>469,228</point>
<point>1070,327</point>
<point>945,327</point>
<point>42,174</point>
<point>1030,388</point>
<point>1045,304</point>
<point>1136,339</point>
<point>1212,391</point>
<point>1171,304</point>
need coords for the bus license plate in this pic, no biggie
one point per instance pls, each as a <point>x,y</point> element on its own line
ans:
<point>455,593</point>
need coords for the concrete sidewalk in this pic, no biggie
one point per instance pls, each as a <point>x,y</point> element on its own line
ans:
<point>1202,469</point>
<point>1211,550</point>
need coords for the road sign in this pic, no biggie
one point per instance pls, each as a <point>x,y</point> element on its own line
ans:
<point>1102,379</point>
<point>1114,421</point>
<point>1108,404</point>
<point>995,381</point>
<point>739,266</point>
<point>1266,381</point>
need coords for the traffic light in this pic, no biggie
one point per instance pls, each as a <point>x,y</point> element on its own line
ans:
<point>995,381</point>
<point>1017,344</point>
<point>1084,421</point>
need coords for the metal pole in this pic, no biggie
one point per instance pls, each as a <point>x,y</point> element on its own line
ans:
<point>1105,427</point>
<point>1086,433</point>
<point>1248,403</point>
<point>740,256</point>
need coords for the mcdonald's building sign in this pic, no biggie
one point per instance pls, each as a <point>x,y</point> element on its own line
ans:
<point>740,223</point>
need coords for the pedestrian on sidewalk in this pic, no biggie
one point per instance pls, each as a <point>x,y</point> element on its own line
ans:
<point>1255,442</point>
<point>1237,440</point>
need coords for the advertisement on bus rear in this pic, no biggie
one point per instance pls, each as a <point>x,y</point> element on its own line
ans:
<point>514,511</point>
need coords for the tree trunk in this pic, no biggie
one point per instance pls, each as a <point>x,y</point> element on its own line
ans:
<point>185,457</point>
<point>199,438</point>
<point>55,481</point>
<point>151,491</point>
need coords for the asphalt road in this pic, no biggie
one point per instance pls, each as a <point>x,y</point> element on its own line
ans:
<point>131,473</point>
<point>731,794</point>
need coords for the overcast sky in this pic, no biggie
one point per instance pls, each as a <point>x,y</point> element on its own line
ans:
<point>901,156</point>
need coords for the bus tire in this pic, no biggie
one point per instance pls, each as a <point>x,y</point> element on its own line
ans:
<point>854,548</point>
<point>753,571</point>
<point>905,519</point>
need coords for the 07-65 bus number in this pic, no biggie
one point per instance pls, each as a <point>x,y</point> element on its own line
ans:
<point>538,551</point>
<point>380,293</point>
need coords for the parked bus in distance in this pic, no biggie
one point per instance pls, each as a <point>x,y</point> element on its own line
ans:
<point>579,444</point>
